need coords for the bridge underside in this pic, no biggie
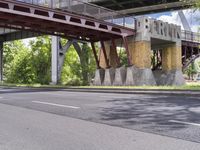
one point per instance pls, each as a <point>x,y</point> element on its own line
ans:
<point>139,7</point>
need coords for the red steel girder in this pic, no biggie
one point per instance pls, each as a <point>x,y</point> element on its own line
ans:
<point>26,12</point>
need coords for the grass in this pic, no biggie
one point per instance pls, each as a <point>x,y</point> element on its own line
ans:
<point>188,86</point>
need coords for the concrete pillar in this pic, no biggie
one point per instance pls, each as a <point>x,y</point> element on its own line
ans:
<point>141,54</point>
<point>140,73</point>
<point>172,58</point>
<point>1,61</point>
<point>54,59</point>
<point>171,73</point>
<point>57,58</point>
<point>99,77</point>
<point>140,50</point>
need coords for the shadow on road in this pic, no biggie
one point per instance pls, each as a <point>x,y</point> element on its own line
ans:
<point>152,112</point>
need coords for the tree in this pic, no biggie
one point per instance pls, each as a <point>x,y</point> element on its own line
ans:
<point>41,59</point>
<point>196,2</point>
<point>79,66</point>
<point>192,70</point>
<point>32,64</point>
<point>17,65</point>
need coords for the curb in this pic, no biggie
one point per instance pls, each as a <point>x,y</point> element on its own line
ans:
<point>137,91</point>
<point>110,90</point>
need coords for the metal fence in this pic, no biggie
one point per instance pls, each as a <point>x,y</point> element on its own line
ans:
<point>87,9</point>
<point>190,36</point>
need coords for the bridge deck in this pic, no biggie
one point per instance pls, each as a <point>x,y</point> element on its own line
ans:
<point>140,7</point>
<point>24,16</point>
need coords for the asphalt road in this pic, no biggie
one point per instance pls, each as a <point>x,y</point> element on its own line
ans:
<point>61,120</point>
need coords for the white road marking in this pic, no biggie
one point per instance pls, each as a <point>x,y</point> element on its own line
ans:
<point>115,96</point>
<point>187,123</point>
<point>54,104</point>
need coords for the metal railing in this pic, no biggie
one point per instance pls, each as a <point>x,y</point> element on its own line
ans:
<point>190,36</point>
<point>87,9</point>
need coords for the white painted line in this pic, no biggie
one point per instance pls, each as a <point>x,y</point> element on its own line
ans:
<point>115,96</point>
<point>54,104</point>
<point>187,123</point>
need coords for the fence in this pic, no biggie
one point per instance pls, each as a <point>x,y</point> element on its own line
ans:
<point>87,9</point>
<point>190,36</point>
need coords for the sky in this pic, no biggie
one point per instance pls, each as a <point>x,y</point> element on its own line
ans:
<point>192,16</point>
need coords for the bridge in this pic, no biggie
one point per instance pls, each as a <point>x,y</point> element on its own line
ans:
<point>79,21</point>
<point>140,7</point>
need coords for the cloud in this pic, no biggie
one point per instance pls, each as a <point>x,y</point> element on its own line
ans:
<point>191,15</point>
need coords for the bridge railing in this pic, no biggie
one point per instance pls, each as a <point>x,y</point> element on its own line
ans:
<point>190,36</point>
<point>87,9</point>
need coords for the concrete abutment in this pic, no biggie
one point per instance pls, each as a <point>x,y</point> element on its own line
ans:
<point>149,33</point>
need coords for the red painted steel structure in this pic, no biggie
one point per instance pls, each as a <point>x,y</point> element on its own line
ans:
<point>24,16</point>
<point>190,47</point>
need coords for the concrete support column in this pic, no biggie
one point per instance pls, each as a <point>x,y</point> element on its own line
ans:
<point>1,61</point>
<point>54,59</point>
<point>172,58</point>
<point>171,73</point>
<point>57,58</point>
<point>140,73</point>
<point>141,54</point>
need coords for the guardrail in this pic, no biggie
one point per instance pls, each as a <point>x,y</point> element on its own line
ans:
<point>190,36</point>
<point>87,9</point>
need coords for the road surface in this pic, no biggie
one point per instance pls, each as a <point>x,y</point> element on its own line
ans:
<point>56,119</point>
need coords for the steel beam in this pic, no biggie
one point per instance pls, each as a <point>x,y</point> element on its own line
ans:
<point>155,8</point>
<point>104,53</point>
<point>52,21</point>
<point>18,35</point>
<point>127,51</point>
<point>115,51</point>
<point>95,54</point>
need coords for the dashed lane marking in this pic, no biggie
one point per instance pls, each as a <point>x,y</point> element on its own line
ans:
<point>54,104</point>
<point>186,123</point>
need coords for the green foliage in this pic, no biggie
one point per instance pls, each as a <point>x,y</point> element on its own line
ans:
<point>71,74</point>
<point>41,59</point>
<point>32,64</point>
<point>198,3</point>
<point>123,56</point>
<point>17,67</point>
<point>195,2</point>
<point>79,66</point>
<point>192,70</point>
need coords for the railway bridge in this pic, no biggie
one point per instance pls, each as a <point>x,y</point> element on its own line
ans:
<point>155,50</point>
